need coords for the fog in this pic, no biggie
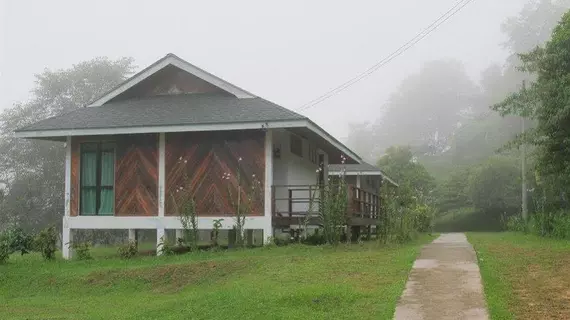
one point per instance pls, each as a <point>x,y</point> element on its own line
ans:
<point>289,52</point>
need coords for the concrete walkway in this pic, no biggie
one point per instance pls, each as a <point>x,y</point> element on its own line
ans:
<point>444,283</point>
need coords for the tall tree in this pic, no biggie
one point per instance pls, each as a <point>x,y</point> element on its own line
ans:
<point>31,170</point>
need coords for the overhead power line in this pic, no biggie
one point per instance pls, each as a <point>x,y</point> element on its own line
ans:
<point>424,33</point>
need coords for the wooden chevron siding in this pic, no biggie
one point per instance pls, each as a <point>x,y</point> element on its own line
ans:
<point>197,161</point>
<point>136,175</point>
<point>74,196</point>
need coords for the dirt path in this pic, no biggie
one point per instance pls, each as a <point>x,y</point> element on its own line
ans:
<point>444,283</point>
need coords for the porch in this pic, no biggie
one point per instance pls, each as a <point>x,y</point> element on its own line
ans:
<point>292,205</point>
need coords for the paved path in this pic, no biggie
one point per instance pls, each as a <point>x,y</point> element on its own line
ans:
<point>444,283</point>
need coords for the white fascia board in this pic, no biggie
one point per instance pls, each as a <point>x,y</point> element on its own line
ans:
<point>364,173</point>
<point>145,222</point>
<point>330,139</point>
<point>177,62</point>
<point>158,129</point>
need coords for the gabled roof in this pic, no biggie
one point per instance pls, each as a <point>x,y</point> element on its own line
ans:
<point>232,108</point>
<point>172,60</point>
<point>363,169</point>
<point>177,110</point>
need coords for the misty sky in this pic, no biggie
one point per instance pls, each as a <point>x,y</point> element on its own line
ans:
<point>289,52</point>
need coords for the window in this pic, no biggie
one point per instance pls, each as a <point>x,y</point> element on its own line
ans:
<point>313,154</point>
<point>97,179</point>
<point>296,145</point>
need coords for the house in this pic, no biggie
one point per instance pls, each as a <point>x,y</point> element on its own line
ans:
<point>174,131</point>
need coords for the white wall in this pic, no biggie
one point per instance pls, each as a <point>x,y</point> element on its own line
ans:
<point>290,170</point>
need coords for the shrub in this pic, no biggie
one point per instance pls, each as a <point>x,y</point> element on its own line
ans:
<point>82,250</point>
<point>165,247</point>
<point>45,242</point>
<point>189,222</point>
<point>216,231</point>
<point>517,224</point>
<point>128,250</point>
<point>4,250</point>
<point>18,240</point>
<point>317,238</point>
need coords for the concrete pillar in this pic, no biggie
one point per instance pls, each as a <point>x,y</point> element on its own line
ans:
<point>268,187</point>
<point>66,238</point>
<point>133,235</point>
<point>160,236</point>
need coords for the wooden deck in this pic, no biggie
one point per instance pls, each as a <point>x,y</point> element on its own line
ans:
<point>292,204</point>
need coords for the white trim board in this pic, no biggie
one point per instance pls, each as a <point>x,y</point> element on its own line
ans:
<point>172,222</point>
<point>171,59</point>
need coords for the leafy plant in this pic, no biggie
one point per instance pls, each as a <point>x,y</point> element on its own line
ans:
<point>333,208</point>
<point>18,240</point>
<point>189,222</point>
<point>82,250</point>
<point>45,243</point>
<point>165,247</point>
<point>216,232</point>
<point>4,250</point>
<point>242,206</point>
<point>128,250</point>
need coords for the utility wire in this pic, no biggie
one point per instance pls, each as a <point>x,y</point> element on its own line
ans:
<point>424,33</point>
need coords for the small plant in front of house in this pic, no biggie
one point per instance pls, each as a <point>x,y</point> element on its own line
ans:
<point>242,207</point>
<point>165,248</point>
<point>45,242</point>
<point>19,241</point>
<point>128,250</point>
<point>82,250</point>
<point>189,223</point>
<point>334,205</point>
<point>216,232</point>
<point>4,250</point>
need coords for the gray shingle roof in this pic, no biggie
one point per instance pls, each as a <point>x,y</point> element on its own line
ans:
<point>168,110</point>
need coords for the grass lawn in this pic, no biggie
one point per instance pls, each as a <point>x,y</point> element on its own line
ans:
<point>525,277</point>
<point>294,282</point>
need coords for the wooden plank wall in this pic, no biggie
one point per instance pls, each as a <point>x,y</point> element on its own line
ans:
<point>197,162</point>
<point>136,175</point>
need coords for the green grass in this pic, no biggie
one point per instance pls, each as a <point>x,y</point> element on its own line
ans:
<point>294,282</point>
<point>524,276</point>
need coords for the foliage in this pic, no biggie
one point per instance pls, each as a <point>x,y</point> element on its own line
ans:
<point>547,224</point>
<point>494,187</point>
<point>32,170</point>
<point>243,206</point>
<point>468,219</point>
<point>128,250</point>
<point>189,221</point>
<point>165,247</point>
<point>315,239</point>
<point>45,243</point>
<point>18,240</point>
<point>216,231</point>
<point>333,208</point>
<point>4,250</point>
<point>82,250</point>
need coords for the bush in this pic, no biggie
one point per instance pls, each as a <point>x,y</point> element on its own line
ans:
<point>165,247</point>
<point>18,240</point>
<point>4,251</point>
<point>82,250</point>
<point>128,251</point>
<point>45,242</point>
<point>317,238</point>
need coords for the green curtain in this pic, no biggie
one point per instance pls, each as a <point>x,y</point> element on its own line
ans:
<point>107,182</point>
<point>88,182</point>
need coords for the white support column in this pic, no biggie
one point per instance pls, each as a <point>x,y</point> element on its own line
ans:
<point>133,235</point>
<point>161,172</point>
<point>268,186</point>
<point>160,234</point>
<point>66,235</point>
